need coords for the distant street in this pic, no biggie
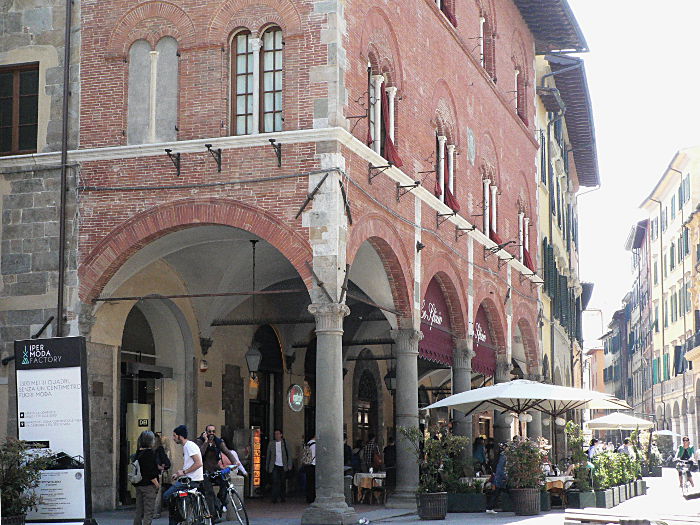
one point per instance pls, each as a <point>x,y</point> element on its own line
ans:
<point>663,499</point>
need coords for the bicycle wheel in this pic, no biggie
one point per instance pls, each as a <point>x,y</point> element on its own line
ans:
<point>186,511</point>
<point>203,510</point>
<point>686,485</point>
<point>235,505</point>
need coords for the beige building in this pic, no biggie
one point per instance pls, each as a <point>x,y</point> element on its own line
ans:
<point>669,205</point>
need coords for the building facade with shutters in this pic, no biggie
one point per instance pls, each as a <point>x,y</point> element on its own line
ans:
<point>669,207</point>
<point>270,195</point>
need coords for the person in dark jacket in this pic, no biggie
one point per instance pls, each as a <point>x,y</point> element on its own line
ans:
<point>147,488</point>
<point>499,482</point>
<point>278,463</point>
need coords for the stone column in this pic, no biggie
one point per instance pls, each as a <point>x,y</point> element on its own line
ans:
<point>451,168</point>
<point>442,140</point>
<point>406,416</point>
<point>391,96</point>
<point>377,81</point>
<point>329,507</point>
<point>462,382</point>
<point>487,206</point>
<point>501,429</point>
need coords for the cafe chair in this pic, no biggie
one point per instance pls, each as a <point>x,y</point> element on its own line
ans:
<point>378,491</point>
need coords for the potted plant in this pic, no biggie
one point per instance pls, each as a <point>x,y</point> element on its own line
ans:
<point>466,497</point>
<point>20,471</point>
<point>436,457</point>
<point>581,495</point>
<point>602,481</point>
<point>525,476</point>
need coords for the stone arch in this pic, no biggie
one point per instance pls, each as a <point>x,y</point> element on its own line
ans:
<point>288,17</point>
<point>379,36</point>
<point>530,344</point>
<point>444,108</point>
<point>448,277</point>
<point>123,33</point>
<point>488,159</point>
<point>105,258</point>
<point>386,241</point>
<point>676,409</point>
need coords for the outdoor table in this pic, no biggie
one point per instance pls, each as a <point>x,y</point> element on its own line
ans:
<point>470,480</point>
<point>364,482</point>
<point>556,482</point>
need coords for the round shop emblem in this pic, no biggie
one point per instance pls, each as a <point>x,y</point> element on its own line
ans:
<point>78,475</point>
<point>295,398</point>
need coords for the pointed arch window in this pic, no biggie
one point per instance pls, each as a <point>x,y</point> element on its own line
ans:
<point>381,123</point>
<point>487,46</point>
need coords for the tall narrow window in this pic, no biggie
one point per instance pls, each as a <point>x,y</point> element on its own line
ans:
<point>482,43</point>
<point>488,60</point>
<point>243,81</point>
<point>19,109</point>
<point>520,96</point>
<point>272,80</point>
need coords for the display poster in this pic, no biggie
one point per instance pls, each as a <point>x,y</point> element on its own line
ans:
<point>52,415</point>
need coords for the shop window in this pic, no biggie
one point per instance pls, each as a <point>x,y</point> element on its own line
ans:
<point>153,92</point>
<point>19,109</point>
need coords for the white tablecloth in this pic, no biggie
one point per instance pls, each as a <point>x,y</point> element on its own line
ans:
<point>364,479</point>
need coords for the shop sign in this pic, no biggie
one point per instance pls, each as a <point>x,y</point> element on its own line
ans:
<point>295,398</point>
<point>52,414</point>
<point>485,359</point>
<point>436,344</point>
<point>256,451</point>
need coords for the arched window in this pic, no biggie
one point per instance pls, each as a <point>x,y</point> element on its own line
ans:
<point>242,75</point>
<point>271,90</point>
<point>256,74</point>
<point>153,92</point>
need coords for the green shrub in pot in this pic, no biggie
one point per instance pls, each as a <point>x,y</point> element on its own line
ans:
<point>20,471</point>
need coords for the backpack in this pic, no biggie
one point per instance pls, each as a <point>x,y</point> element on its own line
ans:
<point>134,471</point>
<point>307,457</point>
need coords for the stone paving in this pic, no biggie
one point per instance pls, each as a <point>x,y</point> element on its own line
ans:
<point>663,497</point>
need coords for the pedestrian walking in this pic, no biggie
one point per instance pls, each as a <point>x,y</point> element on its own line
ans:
<point>498,482</point>
<point>147,486</point>
<point>278,463</point>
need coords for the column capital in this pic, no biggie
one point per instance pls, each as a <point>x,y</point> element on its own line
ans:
<point>442,139</point>
<point>391,91</point>
<point>406,339</point>
<point>463,354</point>
<point>329,316</point>
<point>451,148</point>
<point>378,79</point>
<point>503,369</point>
<point>255,44</point>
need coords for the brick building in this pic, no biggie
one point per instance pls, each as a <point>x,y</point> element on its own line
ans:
<point>327,195</point>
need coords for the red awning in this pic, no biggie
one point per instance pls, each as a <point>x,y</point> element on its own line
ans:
<point>437,344</point>
<point>484,361</point>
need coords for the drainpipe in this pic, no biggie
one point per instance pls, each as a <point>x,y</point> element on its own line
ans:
<point>64,167</point>
<point>663,315</point>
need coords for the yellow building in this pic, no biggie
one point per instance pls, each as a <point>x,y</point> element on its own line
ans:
<point>567,162</point>
<point>669,206</point>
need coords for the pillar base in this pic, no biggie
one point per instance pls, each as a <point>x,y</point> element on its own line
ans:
<point>402,500</point>
<point>331,513</point>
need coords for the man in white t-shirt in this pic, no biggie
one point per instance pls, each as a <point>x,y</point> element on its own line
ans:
<point>192,466</point>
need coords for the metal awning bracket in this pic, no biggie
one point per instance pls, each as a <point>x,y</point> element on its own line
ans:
<point>278,151</point>
<point>346,202</point>
<point>175,158</point>
<point>442,217</point>
<point>319,282</point>
<point>373,171</point>
<point>403,189</point>
<point>216,155</point>
<point>462,231</point>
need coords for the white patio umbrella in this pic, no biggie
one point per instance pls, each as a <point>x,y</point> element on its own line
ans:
<point>521,396</point>
<point>666,432</point>
<point>618,421</point>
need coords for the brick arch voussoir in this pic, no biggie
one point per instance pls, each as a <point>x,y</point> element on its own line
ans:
<point>386,241</point>
<point>378,22</point>
<point>496,322</point>
<point>452,286</point>
<point>530,345</point>
<point>226,16</point>
<point>100,265</point>
<point>119,39</point>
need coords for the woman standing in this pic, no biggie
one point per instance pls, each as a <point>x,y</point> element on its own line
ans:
<point>163,462</point>
<point>147,488</point>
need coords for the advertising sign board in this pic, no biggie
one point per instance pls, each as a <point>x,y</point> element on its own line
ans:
<point>52,414</point>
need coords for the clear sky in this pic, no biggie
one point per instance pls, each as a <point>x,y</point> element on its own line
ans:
<point>643,73</point>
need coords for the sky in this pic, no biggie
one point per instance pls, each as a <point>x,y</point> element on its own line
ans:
<point>643,72</point>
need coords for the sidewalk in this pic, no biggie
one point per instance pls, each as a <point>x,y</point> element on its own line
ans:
<point>663,497</point>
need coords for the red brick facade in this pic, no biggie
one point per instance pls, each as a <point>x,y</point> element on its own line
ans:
<point>441,86</point>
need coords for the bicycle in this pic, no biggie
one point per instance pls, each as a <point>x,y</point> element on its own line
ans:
<point>191,505</point>
<point>228,498</point>
<point>683,468</point>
